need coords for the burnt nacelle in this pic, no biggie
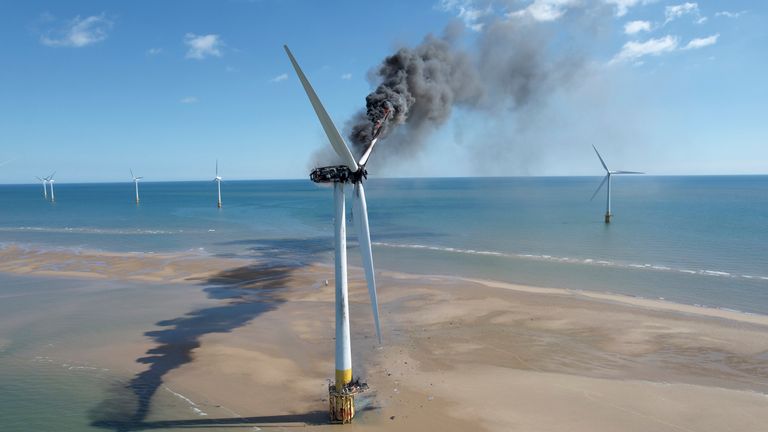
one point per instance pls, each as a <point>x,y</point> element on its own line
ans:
<point>338,173</point>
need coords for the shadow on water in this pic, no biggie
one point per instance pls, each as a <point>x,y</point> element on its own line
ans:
<point>247,292</point>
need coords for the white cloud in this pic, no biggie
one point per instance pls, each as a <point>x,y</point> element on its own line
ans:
<point>702,42</point>
<point>633,27</point>
<point>203,46</point>
<point>635,50</point>
<point>78,32</point>
<point>188,100</point>
<point>346,76</point>
<point>676,11</point>
<point>154,51</point>
<point>467,11</point>
<point>545,10</point>
<point>622,6</point>
<point>281,77</point>
<point>730,14</point>
<point>701,20</point>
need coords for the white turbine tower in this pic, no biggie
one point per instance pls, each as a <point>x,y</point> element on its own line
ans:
<point>44,181</point>
<point>341,394</point>
<point>50,182</point>
<point>136,184</point>
<point>607,179</point>
<point>217,179</point>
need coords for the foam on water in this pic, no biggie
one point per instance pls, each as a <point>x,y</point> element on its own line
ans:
<point>709,229</point>
<point>584,261</point>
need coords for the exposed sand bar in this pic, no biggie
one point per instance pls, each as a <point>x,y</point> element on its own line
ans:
<point>147,267</point>
<point>458,354</point>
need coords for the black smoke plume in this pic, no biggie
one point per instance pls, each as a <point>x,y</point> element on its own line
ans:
<point>509,67</point>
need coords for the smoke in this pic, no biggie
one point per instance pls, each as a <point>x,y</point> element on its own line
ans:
<point>507,69</point>
<point>420,86</point>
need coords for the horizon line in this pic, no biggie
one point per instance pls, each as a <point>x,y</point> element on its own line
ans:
<point>37,183</point>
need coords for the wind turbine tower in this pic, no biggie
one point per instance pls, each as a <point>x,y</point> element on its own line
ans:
<point>217,179</point>
<point>342,392</point>
<point>50,182</point>
<point>136,184</point>
<point>607,179</point>
<point>44,181</point>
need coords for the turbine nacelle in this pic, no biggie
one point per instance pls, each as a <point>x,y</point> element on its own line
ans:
<point>338,174</point>
<point>135,178</point>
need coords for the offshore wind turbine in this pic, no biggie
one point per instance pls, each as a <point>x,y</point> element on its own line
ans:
<point>44,181</point>
<point>136,184</point>
<point>50,182</point>
<point>341,394</point>
<point>607,179</point>
<point>217,179</point>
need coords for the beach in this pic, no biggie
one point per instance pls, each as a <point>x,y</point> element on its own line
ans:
<point>250,343</point>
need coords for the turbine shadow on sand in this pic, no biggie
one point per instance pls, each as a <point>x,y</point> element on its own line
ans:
<point>249,291</point>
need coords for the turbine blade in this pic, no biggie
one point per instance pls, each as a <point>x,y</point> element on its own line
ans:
<point>364,238</point>
<point>330,129</point>
<point>605,179</point>
<point>51,176</point>
<point>364,158</point>
<point>601,158</point>
<point>38,178</point>
<point>217,167</point>
<point>131,170</point>
<point>627,172</point>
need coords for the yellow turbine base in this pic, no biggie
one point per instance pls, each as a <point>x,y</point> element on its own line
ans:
<point>343,377</point>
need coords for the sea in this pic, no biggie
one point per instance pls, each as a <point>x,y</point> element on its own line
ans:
<point>694,240</point>
<point>698,240</point>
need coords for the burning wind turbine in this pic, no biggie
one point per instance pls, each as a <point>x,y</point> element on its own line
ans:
<point>342,393</point>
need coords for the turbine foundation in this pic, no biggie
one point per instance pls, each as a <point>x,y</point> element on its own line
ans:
<point>342,401</point>
<point>608,218</point>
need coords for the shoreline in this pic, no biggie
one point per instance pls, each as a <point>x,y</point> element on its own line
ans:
<point>177,267</point>
<point>458,353</point>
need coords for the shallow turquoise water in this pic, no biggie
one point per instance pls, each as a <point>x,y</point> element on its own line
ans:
<point>699,240</point>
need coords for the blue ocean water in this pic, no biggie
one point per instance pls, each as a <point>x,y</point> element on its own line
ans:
<point>696,240</point>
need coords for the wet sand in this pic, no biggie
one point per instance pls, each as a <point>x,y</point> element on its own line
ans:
<point>458,354</point>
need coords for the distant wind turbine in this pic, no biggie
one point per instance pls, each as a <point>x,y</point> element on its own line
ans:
<point>136,184</point>
<point>607,179</point>
<point>50,182</point>
<point>44,181</point>
<point>217,179</point>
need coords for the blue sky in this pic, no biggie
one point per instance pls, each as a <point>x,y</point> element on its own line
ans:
<point>93,88</point>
